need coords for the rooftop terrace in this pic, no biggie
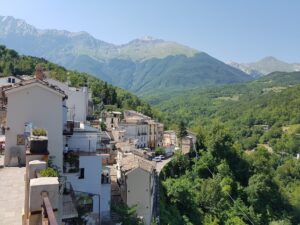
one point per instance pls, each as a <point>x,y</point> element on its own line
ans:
<point>12,195</point>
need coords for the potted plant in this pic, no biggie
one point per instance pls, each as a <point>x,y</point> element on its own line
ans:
<point>49,172</point>
<point>38,141</point>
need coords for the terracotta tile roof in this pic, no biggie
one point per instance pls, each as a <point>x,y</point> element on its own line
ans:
<point>131,161</point>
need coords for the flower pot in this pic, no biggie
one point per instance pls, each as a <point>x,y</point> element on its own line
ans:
<point>39,144</point>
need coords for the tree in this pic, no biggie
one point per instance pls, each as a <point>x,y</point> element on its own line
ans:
<point>265,197</point>
<point>182,131</point>
<point>103,126</point>
<point>127,214</point>
<point>160,151</point>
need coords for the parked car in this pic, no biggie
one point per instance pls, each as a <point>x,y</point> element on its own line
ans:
<point>156,159</point>
<point>161,157</point>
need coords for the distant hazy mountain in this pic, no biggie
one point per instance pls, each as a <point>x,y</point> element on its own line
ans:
<point>142,65</point>
<point>265,66</point>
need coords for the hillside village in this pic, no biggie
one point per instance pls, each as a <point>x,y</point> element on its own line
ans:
<point>78,169</point>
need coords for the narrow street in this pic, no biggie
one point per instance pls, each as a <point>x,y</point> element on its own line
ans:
<point>160,165</point>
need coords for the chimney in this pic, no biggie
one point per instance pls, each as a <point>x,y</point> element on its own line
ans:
<point>39,74</point>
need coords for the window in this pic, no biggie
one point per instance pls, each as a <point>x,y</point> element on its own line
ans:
<point>81,175</point>
<point>9,80</point>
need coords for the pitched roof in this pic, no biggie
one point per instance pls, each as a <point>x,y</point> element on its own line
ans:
<point>32,81</point>
<point>131,161</point>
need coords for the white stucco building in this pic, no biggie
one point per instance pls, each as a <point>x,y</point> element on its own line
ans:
<point>9,80</point>
<point>137,130</point>
<point>136,179</point>
<point>33,102</point>
<point>88,175</point>
<point>77,102</point>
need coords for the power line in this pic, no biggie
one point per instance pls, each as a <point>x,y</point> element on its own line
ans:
<point>231,198</point>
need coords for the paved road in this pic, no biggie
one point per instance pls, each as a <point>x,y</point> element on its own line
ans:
<point>12,195</point>
<point>160,165</point>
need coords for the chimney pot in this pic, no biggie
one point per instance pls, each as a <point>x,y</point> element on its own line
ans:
<point>39,73</point>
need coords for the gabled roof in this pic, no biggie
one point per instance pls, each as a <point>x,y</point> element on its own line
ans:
<point>131,161</point>
<point>27,83</point>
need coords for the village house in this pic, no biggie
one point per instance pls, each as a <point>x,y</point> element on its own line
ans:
<point>10,80</point>
<point>137,181</point>
<point>155,134</point>
<point>26,107</point>
<point>83,167</point>
<point>78,100</point>
<point>72,146</point>
<point>111,120</point>
<point>141,129</point>
<point>188,143</point>
<point>136,129</point>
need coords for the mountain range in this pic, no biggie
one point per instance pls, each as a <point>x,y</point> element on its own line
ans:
<point>266,66</point>
<point>142,65</point>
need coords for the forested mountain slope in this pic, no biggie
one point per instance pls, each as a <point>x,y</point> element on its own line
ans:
<point>244,169</point>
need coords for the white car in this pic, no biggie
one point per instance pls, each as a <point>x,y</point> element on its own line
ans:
<point>156,159</point>
<point>161,156</point>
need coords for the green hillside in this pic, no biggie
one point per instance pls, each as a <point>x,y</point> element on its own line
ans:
<point>104,95</point>
<point>215,98</point>
<point>171,73</point>
<point>272,100</point>
<point>244,169</point>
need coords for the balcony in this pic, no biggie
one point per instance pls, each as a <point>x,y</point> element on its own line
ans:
<point>78,206</point>
<point>68,128</point>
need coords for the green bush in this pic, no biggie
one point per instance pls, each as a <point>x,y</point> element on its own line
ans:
<point>39,132</point>
<point>160,151</point>
<point>49,172</point>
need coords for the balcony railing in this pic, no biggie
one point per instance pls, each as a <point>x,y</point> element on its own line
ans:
<point>48,217</point>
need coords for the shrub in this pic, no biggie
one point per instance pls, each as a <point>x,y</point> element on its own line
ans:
<point>39,132</point>
<point>49,172</point>
<point>160,151</point>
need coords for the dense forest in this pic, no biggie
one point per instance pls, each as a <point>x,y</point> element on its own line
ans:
<point>220,184</point>
<point>244,169</point>
<point>259,112</point>
<point>105,96</point>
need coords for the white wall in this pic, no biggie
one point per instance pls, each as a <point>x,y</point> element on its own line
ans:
<point>139,184</point>
<point>105,199</point>
<point>6,80</point>
<point>44,109</point>
<point>77,101</point>
<point>92,181</point>
<point>83,141</point>
<point>132,130</point>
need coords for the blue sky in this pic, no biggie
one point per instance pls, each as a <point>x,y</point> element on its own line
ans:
<point>238,30</point>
